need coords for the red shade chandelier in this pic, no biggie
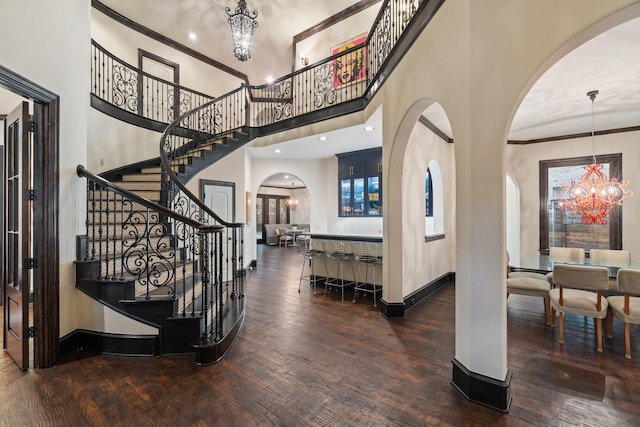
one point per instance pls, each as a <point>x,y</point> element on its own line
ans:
<point>594,196</point>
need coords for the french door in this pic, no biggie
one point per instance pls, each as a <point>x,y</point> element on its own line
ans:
<point>18,250</point>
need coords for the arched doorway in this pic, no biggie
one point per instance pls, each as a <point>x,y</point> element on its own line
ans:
<point>282,198</point>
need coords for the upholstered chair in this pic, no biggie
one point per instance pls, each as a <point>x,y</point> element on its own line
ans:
<point>529,283</point>
<point>625,307</point>
<point>518,274</point>
<point>568,255</point>
<point>283,237</point>
<point>610,257</point>
<point>579,291</point>
<point>533,287</point>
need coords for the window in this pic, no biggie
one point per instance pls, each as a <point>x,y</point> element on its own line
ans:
<point>428,195</point>
<point>564,228</point>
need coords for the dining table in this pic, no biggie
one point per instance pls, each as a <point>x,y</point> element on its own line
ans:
<point>544,264</point>
<point>295,233</point>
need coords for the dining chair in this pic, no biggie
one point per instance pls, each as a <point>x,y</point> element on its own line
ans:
<point>574,294</point>
<point>519,274</point>
<point>561,254</point>
<point>282,236</point>
<point>625,307</point>
<point>531,284</point>
<point>610,257</point>
<point>533,287</point>
<point>557,253</point>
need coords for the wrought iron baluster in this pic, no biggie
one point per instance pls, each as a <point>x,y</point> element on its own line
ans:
<point>122,222</point>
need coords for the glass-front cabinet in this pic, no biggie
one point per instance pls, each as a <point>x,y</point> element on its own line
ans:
<point>360,178</point>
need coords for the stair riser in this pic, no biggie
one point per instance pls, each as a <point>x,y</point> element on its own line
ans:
<point>164,274</point>
<point>140,185</point>
<point>104,196</point>
<point>146,177</point>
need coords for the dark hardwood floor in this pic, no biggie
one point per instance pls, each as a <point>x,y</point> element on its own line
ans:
<point>304,360</point>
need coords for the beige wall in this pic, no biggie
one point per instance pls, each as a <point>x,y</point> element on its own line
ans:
<point>112,143</point>
<point>478,60</point>
<point>318,46</point>
<point>523,166</point>
<point>124,43</point>
<point>51,48</point>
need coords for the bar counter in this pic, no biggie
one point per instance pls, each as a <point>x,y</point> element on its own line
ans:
<point>351,266</point>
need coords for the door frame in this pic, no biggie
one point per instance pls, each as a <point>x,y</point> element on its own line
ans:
<point>225,233</point>
<point>265,213</point>
<point>46,151</point>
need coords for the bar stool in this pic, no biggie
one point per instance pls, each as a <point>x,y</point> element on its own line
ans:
<point>367,256</point>
<point>310,253</point>
<point>334,253</point>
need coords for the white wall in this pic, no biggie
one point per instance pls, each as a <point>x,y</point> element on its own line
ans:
<point>318,46</point>
<point>124,43</point>
<point>48,43</point>
<point>523,165</point>
<point>423,261</point>
<point>113,143</point>
<point>488,55</point>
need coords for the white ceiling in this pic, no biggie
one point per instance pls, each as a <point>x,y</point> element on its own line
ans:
<point>556,105</point>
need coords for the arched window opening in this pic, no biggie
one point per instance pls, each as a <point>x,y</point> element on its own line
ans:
<point>434,201</point>
<point>428,194</point>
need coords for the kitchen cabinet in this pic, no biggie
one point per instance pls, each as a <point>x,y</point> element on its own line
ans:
<point>360,183</point>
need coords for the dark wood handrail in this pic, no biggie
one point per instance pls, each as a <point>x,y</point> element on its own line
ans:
<point>166,164</point>
<point>83,172</point>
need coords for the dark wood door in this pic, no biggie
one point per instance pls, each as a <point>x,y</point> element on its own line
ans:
<point>17,236</point>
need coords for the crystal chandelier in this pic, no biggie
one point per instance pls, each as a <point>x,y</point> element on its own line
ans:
<point>292,201</point>
<point>243,24</point>
<point>594,196</point>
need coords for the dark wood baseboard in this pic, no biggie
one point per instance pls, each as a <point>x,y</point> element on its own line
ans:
<point>490,392</point>
<point>421,294</point>
<point>106,343</point>
<point>398,309</point>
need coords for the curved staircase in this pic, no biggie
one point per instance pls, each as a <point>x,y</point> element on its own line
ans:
<point>142,260</point>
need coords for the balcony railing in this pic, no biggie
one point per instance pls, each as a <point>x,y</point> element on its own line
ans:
<point>307,91</point>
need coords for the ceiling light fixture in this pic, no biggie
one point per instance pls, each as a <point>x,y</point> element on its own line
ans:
<point>292,201</point>
<point>243,24</point>
<point>277,150</point>
<point>368,128</point>
<point>323,138</point>
<point>594,196</point>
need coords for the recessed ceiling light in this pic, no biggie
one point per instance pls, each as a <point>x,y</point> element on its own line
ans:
<point>269,79</point>
<point>286,177</point>
<point>193,36</point>
<point>368,128</point>
<point>323,138</point>
<point>277,150</point>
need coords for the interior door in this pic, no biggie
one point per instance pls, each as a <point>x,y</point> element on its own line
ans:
<point>158,98</point>
<point>220,198</point>
<point>17,236</point>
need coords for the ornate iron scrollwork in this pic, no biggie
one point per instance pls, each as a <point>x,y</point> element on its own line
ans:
<point>149,250</point>
<point>324,92</point>
<point>125,87</point>
<point>283,109</point>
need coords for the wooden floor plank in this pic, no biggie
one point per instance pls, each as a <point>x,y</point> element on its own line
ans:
<point>312,360</point>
